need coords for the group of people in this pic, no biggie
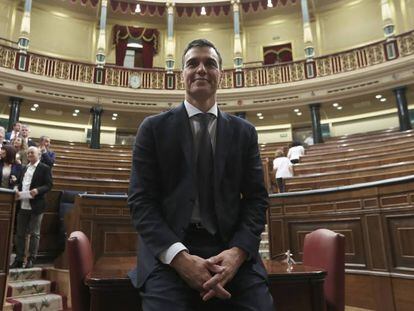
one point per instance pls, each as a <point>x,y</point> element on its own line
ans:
<point>27,168</point>
<point>283,165</point>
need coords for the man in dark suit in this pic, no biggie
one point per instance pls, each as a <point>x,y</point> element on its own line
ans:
<point>198,201</point>
<point>36,181</point>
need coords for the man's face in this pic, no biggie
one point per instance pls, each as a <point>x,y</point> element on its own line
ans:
<point>33,154</point>
<point>25,132</point>
<point>17,127</point>
<point>45,142</point>
<point>201,73</point>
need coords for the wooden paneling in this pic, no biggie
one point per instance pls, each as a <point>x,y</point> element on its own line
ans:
<point>401,229</point>
<point>107,223</point>
<point>377,221</point>
<point>50,246</point>
<point>7,213</point>
<point>370,292</point>
<point>403,291</point>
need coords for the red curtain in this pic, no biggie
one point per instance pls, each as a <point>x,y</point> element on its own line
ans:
<point>277,54</point>
<point>149,38</point>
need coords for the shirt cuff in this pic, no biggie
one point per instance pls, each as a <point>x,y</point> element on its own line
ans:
<point>169,254</point>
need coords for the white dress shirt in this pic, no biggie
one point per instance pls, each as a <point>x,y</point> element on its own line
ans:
<point>168,255</point>
<point>27,180</point>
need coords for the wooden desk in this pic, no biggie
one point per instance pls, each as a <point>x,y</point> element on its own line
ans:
<point>299,290</point>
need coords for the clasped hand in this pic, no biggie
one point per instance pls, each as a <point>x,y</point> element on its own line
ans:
<point>209,276</point>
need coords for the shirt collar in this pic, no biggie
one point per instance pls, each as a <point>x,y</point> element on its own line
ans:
<point>34,165</point>
<point>192,110</point>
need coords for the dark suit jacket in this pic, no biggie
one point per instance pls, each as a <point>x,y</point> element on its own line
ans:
<point>43,182</point>
<point>162,189</point>
<point>16,170</point>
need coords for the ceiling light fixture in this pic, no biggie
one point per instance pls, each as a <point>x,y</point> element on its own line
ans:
<point>378,96</point>
<point>74,114</point>
<point>259,114</point>
<point>33,109</point>
<point>261,117</point>
<point>35,105</point>
<point>383,99</point>
<point>299,113</point>
<point>203,11</point>
<point>115,114</point>
<point>76,110</point>
<point>335,104</point>
<point>269,4</point>
<point>339,107</point>
<point>138,8</point>
<point>296,110</point>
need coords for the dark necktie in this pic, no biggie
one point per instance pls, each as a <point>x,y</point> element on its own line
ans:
<point>205,175</point>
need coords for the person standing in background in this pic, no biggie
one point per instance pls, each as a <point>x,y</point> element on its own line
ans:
<point>295,152</point>
<point>282,168</point>
<point>47,155</point>
<point>34,183</point>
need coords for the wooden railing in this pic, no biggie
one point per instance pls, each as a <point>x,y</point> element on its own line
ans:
<point>342,62</point>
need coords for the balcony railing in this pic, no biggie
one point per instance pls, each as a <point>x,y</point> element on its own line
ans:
<point>346,61</point>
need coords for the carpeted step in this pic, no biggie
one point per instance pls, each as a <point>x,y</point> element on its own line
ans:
<point>34,273</point>
<point>45,302</point>
<point>29,287</point>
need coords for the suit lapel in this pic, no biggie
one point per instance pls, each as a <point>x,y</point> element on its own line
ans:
<point>185,135</point>
<point>223,141</point>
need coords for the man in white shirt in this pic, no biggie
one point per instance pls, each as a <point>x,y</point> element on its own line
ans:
<point>35,182</point>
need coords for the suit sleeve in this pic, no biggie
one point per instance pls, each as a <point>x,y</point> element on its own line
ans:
<point>144,198</point>
<point>254,201</point>
<point>47,180</point>
<point>48,158</point>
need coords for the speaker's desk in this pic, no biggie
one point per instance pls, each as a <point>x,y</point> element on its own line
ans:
<point>298,290</point>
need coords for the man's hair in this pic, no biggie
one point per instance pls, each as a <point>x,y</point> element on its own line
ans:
<point>200,43</point>
<point>43,137</point>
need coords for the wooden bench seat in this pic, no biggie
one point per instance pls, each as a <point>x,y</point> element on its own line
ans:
<point>389,146</point>
<point>364,161</point>
<point>111,154</point>
<point>93,162</point>
<point>394,171</point>
<point>85,173</point>
<point>369,142</point>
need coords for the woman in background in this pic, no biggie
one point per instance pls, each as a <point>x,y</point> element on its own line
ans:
<point>283,168</point>
<point>9,170</point>
<point>21,151</point>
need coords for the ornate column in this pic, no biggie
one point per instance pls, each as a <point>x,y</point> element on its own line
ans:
<point>14,114</point>
<point>387,21</point>
<point>403,115</point>
<point>96,127</point>
<point>307,31</point>
<point>101,45</point>
<point>310,68</point>
<point>23,41</point>
<point>391,48</point>
<point>238,52</point>
<point>316,123</point>
<point>170,47</point>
